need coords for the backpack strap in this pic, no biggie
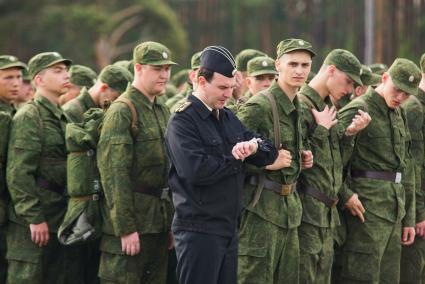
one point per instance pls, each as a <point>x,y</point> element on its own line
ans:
<point>306,100</point>
<point>275,114</point>
<point>134,117</point>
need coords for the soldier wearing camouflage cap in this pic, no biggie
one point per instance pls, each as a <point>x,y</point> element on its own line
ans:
<point>133,168</point>
<point>36,178</point>
<point>241,60</point>
<point>378,68</point>
<point>27,90</point>
<point>269,246</point>
<point>381,217</point>
<point>10,84</point>
<point>319,186</point>
<point>174,102</point>
<point>413,257</point>
<point>261,73</point>
<point>126,64</point>
<point>80,77</point>
<point>112,81</point>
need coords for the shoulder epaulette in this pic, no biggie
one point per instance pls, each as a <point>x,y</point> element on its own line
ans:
<point>183,106</point>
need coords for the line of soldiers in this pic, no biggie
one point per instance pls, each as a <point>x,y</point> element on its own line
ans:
<point>84,193</point>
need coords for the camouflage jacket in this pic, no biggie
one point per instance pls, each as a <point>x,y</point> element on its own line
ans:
<point>256,115</point>
<point>36,167</point>
<point>75,109</point>
<point>129,160</point>
<point>384,145</point>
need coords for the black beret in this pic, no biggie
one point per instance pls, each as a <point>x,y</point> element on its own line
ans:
<point>218,59</point>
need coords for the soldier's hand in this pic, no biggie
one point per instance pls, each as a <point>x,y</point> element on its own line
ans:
<point>40,234</point>
<point>283,160</point>
<point>325,118</point>
<point>355,206</point>
<point>420,229</point>
<point>408,236</point>
<point>360,121</point>
<point>130,244</point>
<point>307,159</point>
<point>244,149</point>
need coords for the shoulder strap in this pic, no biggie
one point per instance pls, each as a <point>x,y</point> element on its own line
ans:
<point>133,111</point>
<point>275,114</point>
<point>306,100</point>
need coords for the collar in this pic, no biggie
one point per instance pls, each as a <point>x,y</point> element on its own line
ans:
<point>203,110</point>
<point>44,102</point>
<point>139,98</point>
<point>377,100</point>
<point>282,99</point>
<point>314,96</point>
<point>86,99</point>
<point>6,107</point>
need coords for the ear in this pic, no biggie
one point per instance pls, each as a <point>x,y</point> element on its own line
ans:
<point>248,81</point>
<point>331,70</point>
<point>384,77</point>
<point>137,68</point>
<point>358,91</point>
<point>192,75</point>
<point>38,79</point>
<point>103,87</point>
<point>277,64</point>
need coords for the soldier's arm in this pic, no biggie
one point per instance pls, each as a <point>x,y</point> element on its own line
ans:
<point>188,153</point>
<point>408,181</point>
<point>115,158</point>
<point>23,159</point>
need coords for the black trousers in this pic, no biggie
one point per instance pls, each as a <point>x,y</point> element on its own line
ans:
<point>205,258</point>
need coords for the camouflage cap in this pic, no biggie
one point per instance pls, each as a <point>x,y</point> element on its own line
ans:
<point>26,75</point>
<point>152,53</point>
<point>116,77</point>
<point>368,77</point>
<point>378,68</point>
<point>195,61</point>
<point>405,75</point>
<point>180,77</point>
<point>261,65</point>
<point>9,61</point>
<point>44,60</point>
<point>293,44</point>
<point>82,76</point>
<point>244,56</point>
<point>126,64</point>
<point>346,62</point>
<point>422,63</point>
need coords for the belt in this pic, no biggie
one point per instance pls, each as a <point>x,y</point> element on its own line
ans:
<point>329,202</point>
<point>91,197</point>
<point>278,188</point>
<point>381,175</point>
<point>162,193</point>
<point>50,186</point>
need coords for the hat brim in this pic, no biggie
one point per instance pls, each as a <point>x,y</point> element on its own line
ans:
<point>263,72</point>
<point>67,62</point>
<point>14,65</point>
<point>355,78</point>
<point>405,88</point>
<point>160,62</point>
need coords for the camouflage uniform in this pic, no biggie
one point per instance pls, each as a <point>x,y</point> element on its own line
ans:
<point>268,245</point>
<point>36,178</point>
<point>128,162</point>
<point>75,109</point>
<point>372,249</point>
<point>413,257</point>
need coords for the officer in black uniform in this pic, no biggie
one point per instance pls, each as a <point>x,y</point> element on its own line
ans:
<point>207,147</point>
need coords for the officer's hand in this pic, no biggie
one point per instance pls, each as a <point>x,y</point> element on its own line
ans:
<point>283,160</point>
<point>355,206</point>
<point>40,234</point>
<point>307,159</point>
<point>244,149</point>
<point>420,229</point>
<point>325,118</point>
<point>408,236</point>
<point>170,240</point>
<point>130,244</point>
<point>359,122</point>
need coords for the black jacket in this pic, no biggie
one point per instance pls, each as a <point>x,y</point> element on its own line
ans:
<point>205,180</point>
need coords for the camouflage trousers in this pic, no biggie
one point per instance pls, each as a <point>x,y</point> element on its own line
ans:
<point>29,263</point>
<point>372,251</point>
<point>3,262</point>
<point>149,266</point>
<point>316,254</point>
<point>412,270</point>
<point>267,253</point>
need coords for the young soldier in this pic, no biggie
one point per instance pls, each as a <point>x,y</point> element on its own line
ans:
<point>319,185</point>
<point>80,76</point>
<point>413,257</point>
<point>269,248</point>
<point>10,84</point>
<point>381,173</point>
<point>112,82</point>
<point>261,74</point>
<point>133,168</point>
<point>36,177</point>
